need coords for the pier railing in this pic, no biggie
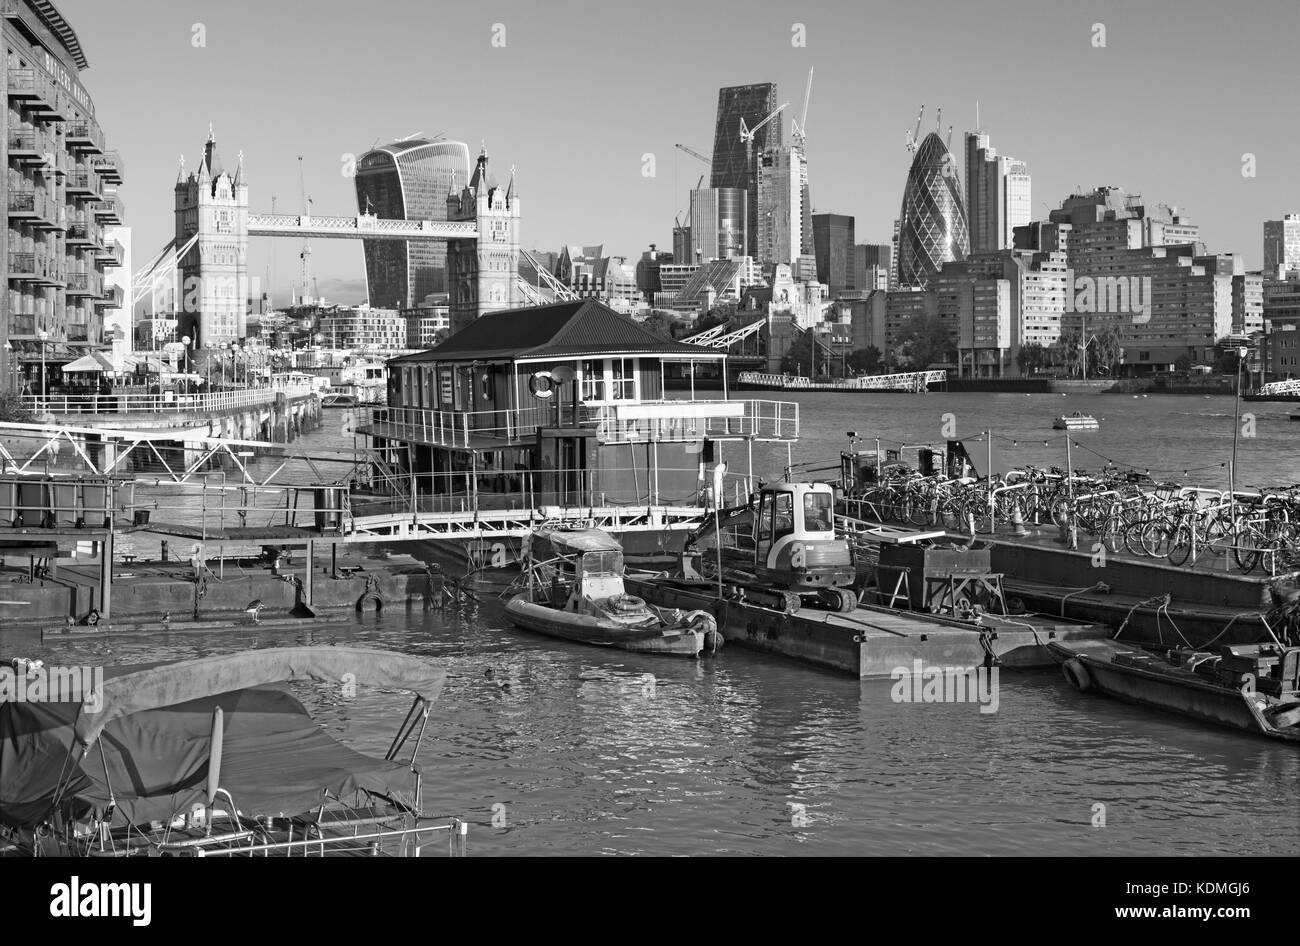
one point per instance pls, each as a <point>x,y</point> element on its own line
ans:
<point>165,403</point>
<point>634,422</point>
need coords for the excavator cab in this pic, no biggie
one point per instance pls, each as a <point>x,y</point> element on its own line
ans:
<point>795,547</point>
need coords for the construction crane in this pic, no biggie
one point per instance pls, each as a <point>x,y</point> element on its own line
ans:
<point>694,154</point>
<point>747,134</point>
<point>799,126</point>
<point>913,137</point>
<point>305,255</point>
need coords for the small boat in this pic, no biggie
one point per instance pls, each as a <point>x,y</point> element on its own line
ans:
<point>575,592</point>
<point>1075,421</point>
<point>207,757</point>
<point>337,398</point>
<point>1255,687</point>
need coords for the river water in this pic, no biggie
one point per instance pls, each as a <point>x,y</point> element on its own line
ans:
<point>590,752</point>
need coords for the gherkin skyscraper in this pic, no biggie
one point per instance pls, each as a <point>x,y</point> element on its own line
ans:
<point>932,223</point>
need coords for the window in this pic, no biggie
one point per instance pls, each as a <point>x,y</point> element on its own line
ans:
<point>593,380</point>
<point>622,383</point>
<point>817,512</point>
<point>782,515</point>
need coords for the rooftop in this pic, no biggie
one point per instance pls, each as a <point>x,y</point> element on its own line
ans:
<point>559,330</point>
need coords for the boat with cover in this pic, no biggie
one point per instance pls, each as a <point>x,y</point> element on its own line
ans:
<point>1075,421</point>
<point>575,592</point>
<point>1255,687</point>
<point>207,757</point>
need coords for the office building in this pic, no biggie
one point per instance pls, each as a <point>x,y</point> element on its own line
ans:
<point>1281,246</point>
<point>834,242</point>
<point>734,161</point>
<point>932,222</point>
<point>357,328</point>
<point>408,180</point>
<point>782,208</point>
<point>718,224</point>
<point>997,195</point>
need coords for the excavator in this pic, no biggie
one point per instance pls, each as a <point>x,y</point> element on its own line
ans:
<point>777,550</point>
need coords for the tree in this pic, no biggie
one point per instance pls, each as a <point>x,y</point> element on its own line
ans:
<point>798,358</point>
<point>925,341</point>
<point>662,324</point>
<point>1106,350</point>
<point>866,360</point>
<point>1183,363</point>
<point>1032,357</point>
<point>1071,351</point>
<point>13,411</point>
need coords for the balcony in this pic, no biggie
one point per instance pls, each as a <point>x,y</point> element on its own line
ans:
<point>34,89</point>
<point>110,298</point>
<point>633,422</point>
<point>84,284</point>
<point>84,137</point>
<point>49,271</point>
<point>110,254</point>
<point>28,147</point>
<point>83,183</point>
<point>22,205</point>
<point>108,166</point>
<point>22,267</point>
<point>84,234</point>
<point>110,211</point>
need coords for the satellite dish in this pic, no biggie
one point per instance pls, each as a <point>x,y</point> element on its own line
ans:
<point>563,374</point>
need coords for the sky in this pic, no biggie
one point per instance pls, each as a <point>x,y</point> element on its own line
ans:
<point>580,92</point>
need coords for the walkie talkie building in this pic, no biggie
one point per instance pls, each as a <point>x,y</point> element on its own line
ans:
<point>408,180</point>
<point>932,223</point>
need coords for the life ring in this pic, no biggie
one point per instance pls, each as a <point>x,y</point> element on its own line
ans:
<point>1077,674</point>
<point>541,385</point>
<point>627,603</point>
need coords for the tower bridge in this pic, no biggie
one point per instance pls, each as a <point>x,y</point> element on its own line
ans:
<point>209,253</point>
<point>364,227</point>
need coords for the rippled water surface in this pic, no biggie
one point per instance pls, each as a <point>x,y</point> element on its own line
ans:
<point>591,752</point>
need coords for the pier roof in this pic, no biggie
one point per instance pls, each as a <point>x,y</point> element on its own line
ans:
<point>559,330</point>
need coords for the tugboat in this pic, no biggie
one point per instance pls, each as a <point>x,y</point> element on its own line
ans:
<point>1255,687</point>
<point>1076,421</point>
<point>576,592</point>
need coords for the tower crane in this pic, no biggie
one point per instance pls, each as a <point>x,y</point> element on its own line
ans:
<point>747,134</point>
<point>799,131</point>
<point>305,255</point>
<point>913,137</point>
<point>694,154</point>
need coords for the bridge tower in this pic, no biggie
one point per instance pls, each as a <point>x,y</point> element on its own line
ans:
<point>213,203</point>
<point>482,273</point>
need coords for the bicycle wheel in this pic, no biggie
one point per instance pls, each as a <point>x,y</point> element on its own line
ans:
<point>1112,534</point>
<point>1133,537</point>
<point>1180,545</point>
<point>1246,550</point>
<point>1155,537</point>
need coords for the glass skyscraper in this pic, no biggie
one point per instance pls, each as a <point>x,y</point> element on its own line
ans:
<point>932,222</point>
<point>731,169</point>
<point>409,180</point>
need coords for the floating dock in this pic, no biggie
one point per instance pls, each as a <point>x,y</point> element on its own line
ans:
<point>872,643</point>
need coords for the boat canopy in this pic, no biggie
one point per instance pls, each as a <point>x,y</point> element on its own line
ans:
<point>170,684</point>
<point>583,540</point>
<point>150,741</point>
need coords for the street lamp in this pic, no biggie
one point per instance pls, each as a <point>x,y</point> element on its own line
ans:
<point>1236,429</point>
<point>43,336</point>
<point>186,341</point>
